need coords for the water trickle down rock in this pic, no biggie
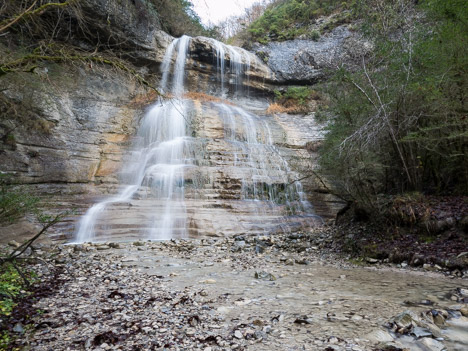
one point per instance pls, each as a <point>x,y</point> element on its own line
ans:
<point>201,166</point>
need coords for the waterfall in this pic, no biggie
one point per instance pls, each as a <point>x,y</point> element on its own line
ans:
<point>239,64</point>
<point>157,165</point>
<point>179,165</point>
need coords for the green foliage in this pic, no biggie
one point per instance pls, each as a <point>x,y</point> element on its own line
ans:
<point>5,340</point>
<point>178,18</point>
<point>299,94</point>
<point>14,202</point>
<point>11,285</point>
<point>285,20</point>
<point>399,123</point>
<point>315,35</point>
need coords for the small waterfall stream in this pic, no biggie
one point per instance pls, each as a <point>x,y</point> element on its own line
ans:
<point>174,172</point>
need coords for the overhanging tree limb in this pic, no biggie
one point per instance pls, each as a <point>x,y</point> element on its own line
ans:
<point>30,12</point>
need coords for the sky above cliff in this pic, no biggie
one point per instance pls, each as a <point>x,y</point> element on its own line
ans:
<point>215,11</point>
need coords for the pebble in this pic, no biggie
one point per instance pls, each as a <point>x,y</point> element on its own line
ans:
<point>14,244</point>
<point>371,260</point>
<point>464,311</point>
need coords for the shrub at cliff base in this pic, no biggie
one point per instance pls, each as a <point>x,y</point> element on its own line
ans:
<point>400,122</point>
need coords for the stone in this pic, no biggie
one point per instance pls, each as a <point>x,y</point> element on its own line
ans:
<point>264,276</point>
<point>239,243</point>
<point>208,281</point>
<point>379,336</point>
<point>304,319</point>
<point>238,334</point>
<point>223,309</point>
<point>303,262</point>
<point>18,328</point>
<point>242,302</point>
<point>371,260</point>
<point>419,332</point>
<point>439,320</point>
<point>333,340</point>
<point>464,311</point>
<point>260,335</point>
<point>405,320</point>
<point>431,344</point>
<point>103,247</point>
<point>78,248</point>
<point>14,244</point>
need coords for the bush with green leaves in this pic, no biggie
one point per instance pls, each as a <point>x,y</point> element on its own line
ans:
<point>11,285</point>
<point>399,123</point>
<point>285,20</point>
<point>300,94</point>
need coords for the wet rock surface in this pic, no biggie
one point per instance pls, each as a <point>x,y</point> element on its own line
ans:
<point>281,292</point>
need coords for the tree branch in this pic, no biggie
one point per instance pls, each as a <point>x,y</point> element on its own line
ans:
<point>29,12</point>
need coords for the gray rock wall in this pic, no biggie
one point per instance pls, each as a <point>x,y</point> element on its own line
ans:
<point>309,61</point>
<point>90,112</point>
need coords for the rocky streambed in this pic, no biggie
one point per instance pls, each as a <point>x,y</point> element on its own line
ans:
<point>246,293</point>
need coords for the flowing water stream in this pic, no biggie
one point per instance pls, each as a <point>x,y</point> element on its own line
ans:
<point>174,163</point>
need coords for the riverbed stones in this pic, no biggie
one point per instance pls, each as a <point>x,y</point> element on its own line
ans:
<point>146,306</point>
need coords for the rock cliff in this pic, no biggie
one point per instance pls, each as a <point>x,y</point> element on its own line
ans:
<point>88,113</point>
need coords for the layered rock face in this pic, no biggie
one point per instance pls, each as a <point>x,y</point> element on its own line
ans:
<point>204,165</point>
<point>83,113</point>
<point>246,161</point>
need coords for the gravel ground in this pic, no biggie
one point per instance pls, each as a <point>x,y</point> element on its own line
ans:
<point>247,293</point>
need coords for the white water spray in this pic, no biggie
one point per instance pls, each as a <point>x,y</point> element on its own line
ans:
<point>157,166</point>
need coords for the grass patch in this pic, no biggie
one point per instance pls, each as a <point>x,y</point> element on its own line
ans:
<point>295,100</point>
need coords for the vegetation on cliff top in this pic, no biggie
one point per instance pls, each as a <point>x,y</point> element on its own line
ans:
<point>178,18</point>
<point>285,20</point>
<point>280,20</point>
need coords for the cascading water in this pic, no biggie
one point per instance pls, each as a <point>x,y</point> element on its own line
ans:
<point>184,178</point>
<point>157,165</point>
